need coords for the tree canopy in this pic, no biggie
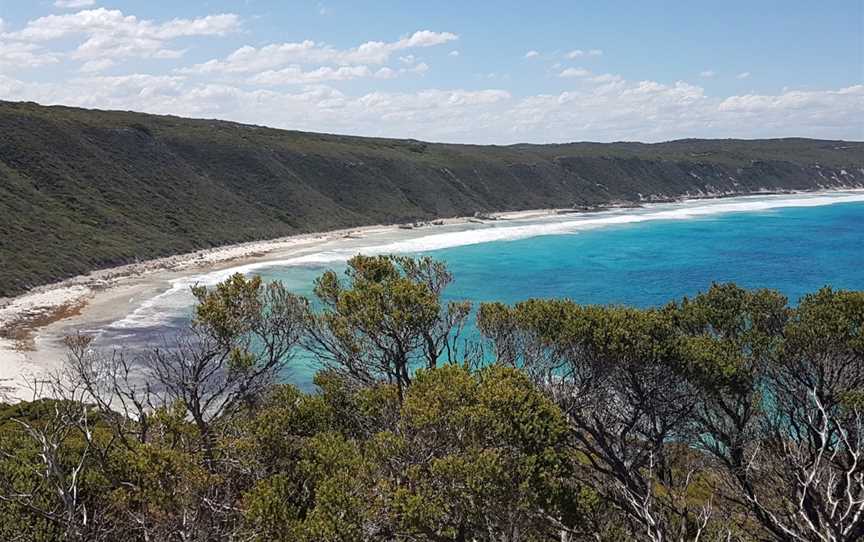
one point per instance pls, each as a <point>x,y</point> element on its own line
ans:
<point>730,415</point>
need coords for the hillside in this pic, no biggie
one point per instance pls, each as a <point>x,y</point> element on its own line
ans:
<point>82,189</point>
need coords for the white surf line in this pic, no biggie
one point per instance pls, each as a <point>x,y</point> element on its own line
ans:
<point>177,298</point>
<point>552,225</point>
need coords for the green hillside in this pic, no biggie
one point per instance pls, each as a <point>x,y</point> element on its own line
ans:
<point>82,190</point>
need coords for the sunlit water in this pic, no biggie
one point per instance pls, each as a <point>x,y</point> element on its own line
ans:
<point>641,257</point>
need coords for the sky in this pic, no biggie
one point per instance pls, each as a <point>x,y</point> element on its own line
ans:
<point>470,71</point>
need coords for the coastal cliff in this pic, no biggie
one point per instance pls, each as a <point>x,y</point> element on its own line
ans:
<point>82,190</point>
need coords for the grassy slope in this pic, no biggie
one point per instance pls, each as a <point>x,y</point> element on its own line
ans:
<point>81,189</point>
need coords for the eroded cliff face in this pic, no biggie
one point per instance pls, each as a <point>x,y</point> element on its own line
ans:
<point>81,190</point>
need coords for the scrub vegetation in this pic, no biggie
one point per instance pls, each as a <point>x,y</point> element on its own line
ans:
<point>82,189</point>
<point>727,416</point>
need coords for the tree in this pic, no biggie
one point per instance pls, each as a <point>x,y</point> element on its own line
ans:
<point>47,481</point>
<point>270,445</point>
<point>241,338</point>
<point>114,385</point>
<point>615,374</point>
<point>479,456</point>
<point>804,478</point>
<point>472,456</point>
<point>163,490</point>
<point>386,320</point>
<point>725,416</point>
<point>730,338</point>
<point>779,405</point>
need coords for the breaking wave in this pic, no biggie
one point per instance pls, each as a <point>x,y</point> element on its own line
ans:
<point>177,300</point>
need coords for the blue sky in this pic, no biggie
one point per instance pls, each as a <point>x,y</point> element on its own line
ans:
<point>485,72</point>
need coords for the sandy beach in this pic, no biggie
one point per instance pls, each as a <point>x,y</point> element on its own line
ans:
<point>33,325</point>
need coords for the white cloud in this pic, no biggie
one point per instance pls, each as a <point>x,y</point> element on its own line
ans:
<point>17,56</point>
<point>707,74</point>
<point>743,75</point>
<point>95,66</point>
<point>114,22</point>
<point>428,101</point>
<point>574,72</point>
<point>324,10</point>
<point>793,100</point>
<point>110,33</point>
<point>65,4</point>
<point>386,73</point>
<point>425,38</point>
<point>291,85</point>
<point>601,110</point>
<point>419,69</point>
<point>105,45</point>
<point>606,78</point>
<point>577,53</point>
<point>248,59</point>
<point>295,75</point>
<point>211,25</point>
<point>116,89</point>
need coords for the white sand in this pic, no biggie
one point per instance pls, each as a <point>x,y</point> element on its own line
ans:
<point>110,294</point>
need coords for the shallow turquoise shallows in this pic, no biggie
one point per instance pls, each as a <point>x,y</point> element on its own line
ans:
<point>795,250</point>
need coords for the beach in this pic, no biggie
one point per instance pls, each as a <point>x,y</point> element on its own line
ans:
<point>33,326</point>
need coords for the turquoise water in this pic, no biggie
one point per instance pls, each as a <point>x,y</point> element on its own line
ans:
<point>794,250</point>
<point>642,257</point>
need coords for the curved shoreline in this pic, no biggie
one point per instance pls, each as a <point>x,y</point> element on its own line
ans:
<point>33,324</point>
<point>42,317</point>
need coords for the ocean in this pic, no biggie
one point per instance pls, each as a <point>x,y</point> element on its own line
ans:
<point>642,257</point>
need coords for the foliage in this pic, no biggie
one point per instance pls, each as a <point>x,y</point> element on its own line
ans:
<point>726,416</point>
<point>387,320</point>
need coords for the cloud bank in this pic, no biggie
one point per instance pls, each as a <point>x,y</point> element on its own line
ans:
<point>311,85</point>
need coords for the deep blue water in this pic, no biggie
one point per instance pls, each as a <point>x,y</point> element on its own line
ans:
<point>794,250</point>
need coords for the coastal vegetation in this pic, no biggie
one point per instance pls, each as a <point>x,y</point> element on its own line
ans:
<point>82,189</point>
<point>731,415</point>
